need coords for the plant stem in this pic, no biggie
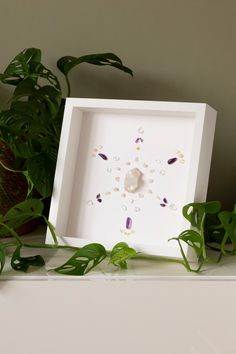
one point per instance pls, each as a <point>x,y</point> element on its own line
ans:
<point>202,235</point>
<point>45,245</point>
<point>161,259</point>
<point>222,245</point>
<point>10,169</point>
<point>185,263</point>
<point>51,230</point>
<point>68,86</point>
<point>13,233</point>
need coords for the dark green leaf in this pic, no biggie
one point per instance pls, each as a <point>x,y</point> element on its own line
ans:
<point>65,64</point>
<point>47,96</point>
<point>27,64</point>
<point>51,98</point>
<point>228,220</point>
<point>41,170</point>
<point>23,263</point>
<point>19,68</point>
<point>14,126</point>
<point>38,70</point>
<point>195,212</point>
<point>83,260</point>
<point>25,88</point>
<point>120,253</point>
<point>21,213</point>
<point>31,127</point>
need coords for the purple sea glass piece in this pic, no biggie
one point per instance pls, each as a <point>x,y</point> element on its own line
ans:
<point>172,160</point>
<point>98,197</point>
<point>139,140</point>
<point>103,156</point>
<point>128,223</point>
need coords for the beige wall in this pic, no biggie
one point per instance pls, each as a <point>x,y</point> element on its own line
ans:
<point>182,50</point>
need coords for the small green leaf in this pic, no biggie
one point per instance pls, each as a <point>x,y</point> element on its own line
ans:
<point>120,253</point>
<point>83,260</point>
<point>193,239</point>
<point>195,212</point>
<point>228,220</point>
<point>23,263</point>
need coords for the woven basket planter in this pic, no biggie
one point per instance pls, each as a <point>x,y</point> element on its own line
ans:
<point>13,187</point>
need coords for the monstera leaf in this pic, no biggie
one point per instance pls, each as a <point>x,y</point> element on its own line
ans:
<point>196,212</point>
<point>27,64</point>
<point>23,263</point>
<point>84,260</point>
<point>67,63</point>
<point>31,125</point>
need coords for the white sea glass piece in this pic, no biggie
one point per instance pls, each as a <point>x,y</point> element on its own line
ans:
<point>162,172</point>
<point>132,180</point>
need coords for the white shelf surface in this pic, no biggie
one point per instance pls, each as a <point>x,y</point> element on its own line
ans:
<point>153,307</point>
<point>140,268</point>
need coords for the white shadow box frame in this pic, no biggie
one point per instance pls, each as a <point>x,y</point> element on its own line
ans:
<point>170,143</point>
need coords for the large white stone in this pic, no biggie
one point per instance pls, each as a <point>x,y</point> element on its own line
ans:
<point>132,180</point>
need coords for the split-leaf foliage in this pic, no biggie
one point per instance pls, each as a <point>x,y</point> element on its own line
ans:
<point>83,260</point>
<point>31,123</point>
<point>212,230</point>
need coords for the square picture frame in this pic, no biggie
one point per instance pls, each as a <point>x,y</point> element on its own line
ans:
<point>126,168</point>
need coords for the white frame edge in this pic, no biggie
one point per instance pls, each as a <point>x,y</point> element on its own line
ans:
<point>198,183</point>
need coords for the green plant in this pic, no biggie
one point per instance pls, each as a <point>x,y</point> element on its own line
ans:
<point>31,123</point>
<point>214,230</point>
<point>83,260</point>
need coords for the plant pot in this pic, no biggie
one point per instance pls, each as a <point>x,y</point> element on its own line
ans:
<point>13,187</point>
